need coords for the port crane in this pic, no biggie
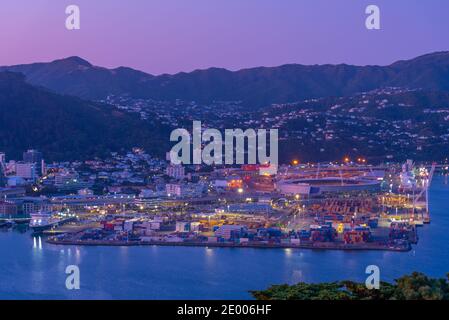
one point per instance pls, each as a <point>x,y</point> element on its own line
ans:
<point>2,173</point>
<point>425,189</point>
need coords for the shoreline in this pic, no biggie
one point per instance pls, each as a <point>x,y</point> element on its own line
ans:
<point>344,247</point>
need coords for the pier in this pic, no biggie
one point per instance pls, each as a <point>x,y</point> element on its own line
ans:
<point>314,246</point>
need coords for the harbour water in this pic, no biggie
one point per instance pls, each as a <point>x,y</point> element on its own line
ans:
<point>33,269</point>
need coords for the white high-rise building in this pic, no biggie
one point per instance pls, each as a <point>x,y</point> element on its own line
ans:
<point>176,171</point>
<point>174,189</point>
<point>26,170</point>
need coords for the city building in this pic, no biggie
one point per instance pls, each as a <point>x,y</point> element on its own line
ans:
<point>184,189</point>
<point>34,156</point>
<point>174,189</point>
<point>26,170</point>
<point>16,192</point>
<point>69,181</point>
<point>14,181</point>
<point>7,208</point>
<point>176,171</point>
<point>85,192</point>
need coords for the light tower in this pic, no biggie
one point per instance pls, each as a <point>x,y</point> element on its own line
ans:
<point>2,175</point>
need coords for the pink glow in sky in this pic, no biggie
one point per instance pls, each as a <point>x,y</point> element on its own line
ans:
<point>168,36</point>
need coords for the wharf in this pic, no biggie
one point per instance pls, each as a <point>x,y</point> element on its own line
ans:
<point>16,220</point>
<point>70,228</point>
<point>314,246</point>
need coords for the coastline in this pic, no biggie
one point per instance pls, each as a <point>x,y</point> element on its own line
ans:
<point>315,246</point>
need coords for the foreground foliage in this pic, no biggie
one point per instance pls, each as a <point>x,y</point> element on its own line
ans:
<point>416,286</point>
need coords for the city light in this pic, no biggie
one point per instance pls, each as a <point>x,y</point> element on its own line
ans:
<point>317,162</point>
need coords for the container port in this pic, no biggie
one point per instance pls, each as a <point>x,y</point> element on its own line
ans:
<point>359,208</point>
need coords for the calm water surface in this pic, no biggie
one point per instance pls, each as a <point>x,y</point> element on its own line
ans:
<point>31,271</point>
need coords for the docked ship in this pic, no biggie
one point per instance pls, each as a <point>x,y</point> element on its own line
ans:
<point>415,182</point>
<point>44,220</point>
<point>6,224</point>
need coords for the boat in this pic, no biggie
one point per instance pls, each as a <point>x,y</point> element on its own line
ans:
<point>44,220</point>
<point>7,223</point>
<point>41,221</point>
<point>22,220</point>
<point>15,221</point>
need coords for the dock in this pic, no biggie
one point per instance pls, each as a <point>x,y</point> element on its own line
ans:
<point>69,228</point>
<point>255,245</point>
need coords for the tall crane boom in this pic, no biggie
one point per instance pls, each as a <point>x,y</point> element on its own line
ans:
<point>425,188</point>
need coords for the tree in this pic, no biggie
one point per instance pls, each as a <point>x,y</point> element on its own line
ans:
<point>416,286</point>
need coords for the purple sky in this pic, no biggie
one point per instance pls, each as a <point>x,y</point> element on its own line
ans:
<point>168,36</point>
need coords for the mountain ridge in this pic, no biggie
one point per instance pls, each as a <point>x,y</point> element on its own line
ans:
<point>257,86</point>
<point>67,127</point>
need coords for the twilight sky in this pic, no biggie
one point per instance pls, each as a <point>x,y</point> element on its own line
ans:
<point>168,36</point>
